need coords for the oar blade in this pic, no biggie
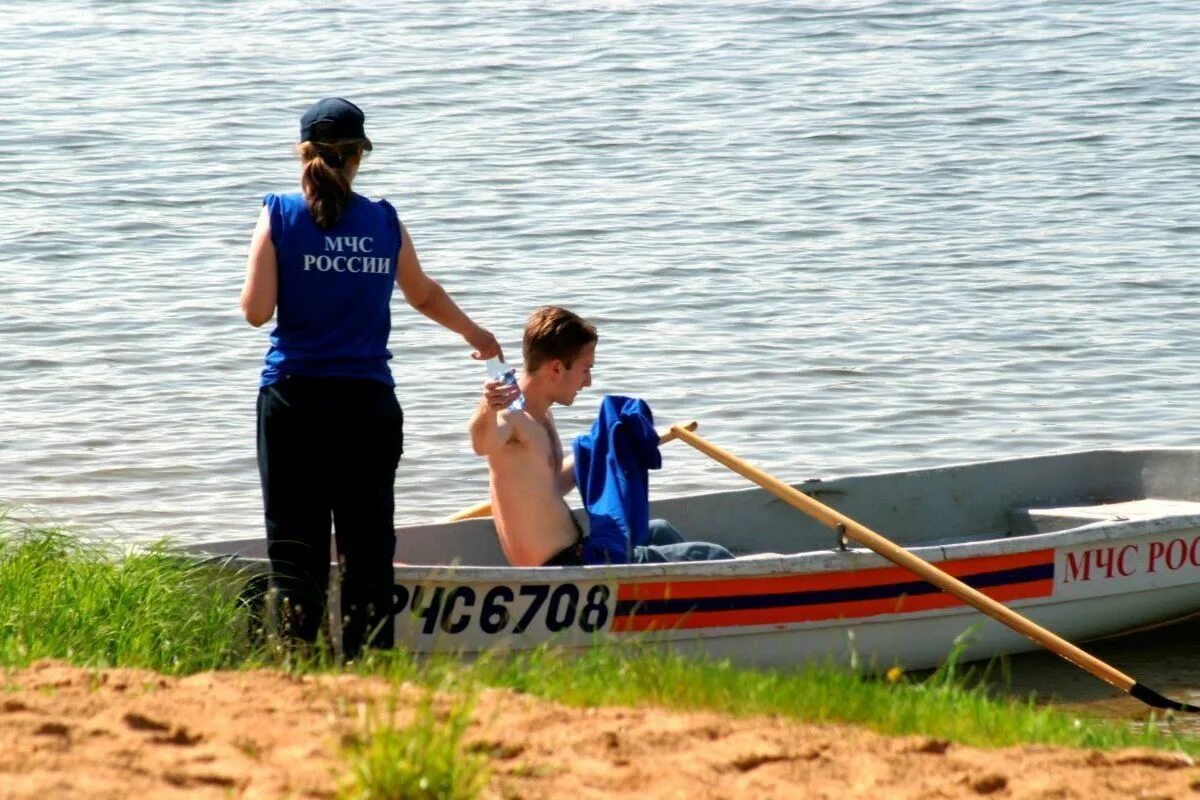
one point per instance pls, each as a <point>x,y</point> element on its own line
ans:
<point>1156,700</point>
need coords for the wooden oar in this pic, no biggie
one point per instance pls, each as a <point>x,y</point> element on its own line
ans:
<point>484,509</point>
<point>898,555</point>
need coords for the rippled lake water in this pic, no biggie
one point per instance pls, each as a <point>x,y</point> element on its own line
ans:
<point>844,236</point>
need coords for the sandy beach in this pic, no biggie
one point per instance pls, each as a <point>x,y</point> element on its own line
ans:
<point>68,733</point>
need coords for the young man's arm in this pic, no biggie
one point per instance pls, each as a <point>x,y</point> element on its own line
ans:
<point>488,433</point>
<point>566,478</point>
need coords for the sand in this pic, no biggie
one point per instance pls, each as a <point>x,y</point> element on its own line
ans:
<point>70,733</point>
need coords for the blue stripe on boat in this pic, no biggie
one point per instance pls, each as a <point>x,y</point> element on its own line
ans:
<point>686,605</point>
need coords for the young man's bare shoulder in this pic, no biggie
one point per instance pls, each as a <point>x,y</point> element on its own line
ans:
<point>521,423</point>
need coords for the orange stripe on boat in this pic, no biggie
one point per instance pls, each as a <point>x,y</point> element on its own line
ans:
<point>903,604</point>
<point>876,576</point>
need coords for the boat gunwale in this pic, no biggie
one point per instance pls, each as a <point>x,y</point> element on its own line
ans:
<point>810,562</point>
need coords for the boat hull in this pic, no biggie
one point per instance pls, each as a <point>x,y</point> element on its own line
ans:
<point>1085,544</point>
<point>777,612</point>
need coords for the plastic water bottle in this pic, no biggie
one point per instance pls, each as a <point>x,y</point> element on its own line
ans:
<point>499,371</point>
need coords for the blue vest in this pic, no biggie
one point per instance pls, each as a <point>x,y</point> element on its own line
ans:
<point>333,312</point>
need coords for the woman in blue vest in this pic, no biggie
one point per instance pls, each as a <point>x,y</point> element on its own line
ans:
<point>330,431</point>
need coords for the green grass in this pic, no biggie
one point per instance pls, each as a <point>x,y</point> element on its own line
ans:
<point>97,605</point>
<point>61,597</point>
<point>425,759</point>
<point>951,704</point>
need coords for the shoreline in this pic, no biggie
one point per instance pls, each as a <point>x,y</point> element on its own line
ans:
<point>70,732</point>
<point>132,669</point>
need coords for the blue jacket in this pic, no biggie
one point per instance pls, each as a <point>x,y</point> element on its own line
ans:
<point>611,464</point>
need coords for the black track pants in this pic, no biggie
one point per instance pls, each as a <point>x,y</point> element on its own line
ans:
<point>328,449</point>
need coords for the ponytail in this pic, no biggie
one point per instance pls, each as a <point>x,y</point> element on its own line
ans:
<point>325,177</point>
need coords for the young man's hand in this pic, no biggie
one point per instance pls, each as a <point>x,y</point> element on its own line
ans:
<point>499,395</point>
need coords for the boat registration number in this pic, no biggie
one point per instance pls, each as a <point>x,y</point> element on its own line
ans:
<point>505,609</point>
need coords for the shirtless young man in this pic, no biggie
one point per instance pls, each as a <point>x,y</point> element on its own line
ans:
<point>528,474</point>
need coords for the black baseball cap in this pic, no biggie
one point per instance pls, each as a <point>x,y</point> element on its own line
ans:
<point>331,119</point>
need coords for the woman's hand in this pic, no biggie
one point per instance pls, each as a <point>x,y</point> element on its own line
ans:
<point>485,344</point>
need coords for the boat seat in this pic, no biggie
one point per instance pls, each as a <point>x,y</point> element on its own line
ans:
<point>1024,520</point>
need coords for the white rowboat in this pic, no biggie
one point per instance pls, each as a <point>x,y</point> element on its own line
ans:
<point>1085,544</point>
